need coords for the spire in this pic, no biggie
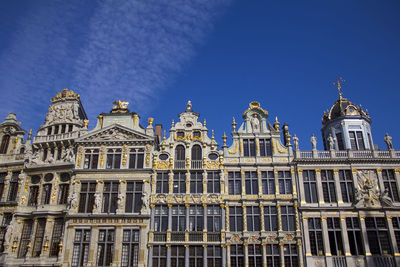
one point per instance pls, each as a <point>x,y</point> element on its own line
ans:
<point>189,105</point>
<point>234,124</point>
<point>338,82</point>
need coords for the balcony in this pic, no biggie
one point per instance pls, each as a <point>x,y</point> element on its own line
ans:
<point>347,154</point>
<point>179,164</point>
<point>195,164</point>
<point>178,236</point>
<point>383,261</point>
<point>160,237</point>
<point>56,137</point>
<point>196,237</point>
<point>339,261</point>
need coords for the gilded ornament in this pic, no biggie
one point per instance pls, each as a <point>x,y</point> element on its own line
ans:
<point>278,147</point>
<point>101,160</point>
<point>124,159</point>
<point>236,148</point>
<point>147,159</point>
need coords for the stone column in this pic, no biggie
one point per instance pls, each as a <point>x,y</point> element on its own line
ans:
<point>301,186</point>
<point>345,238</point>
<point>102,157</point>
<point>392,236</point>
<point>228,255</point>
<point>397,177</point>
<point>47,237</point>
<point>281,253</point>
<point>276,183</point>
<point>222,182</point>
<point>169,229</point>
<point>306,237</point>
<point>168,254</point>
<point>205,223</point>
<point>22,193</point>
<point>244,218</point>
<point>118,246</point>
<point>325,237</point>
<point>204,255</point>
<point>319,187</point>
<point>67,248</point>
<point>99,193</point>
<point>74,195</point>
<point>94,236</point>
<point>337,186</point>
<point>171,182</point>
<point>187,182</point>
<point>294,187</point>
<point>153,182</point>
<point>380,179</point>
<point>259,183</point>
<point>278,210</point>
<point>300,253</point>
<point>143,249</point>
<point>187,211</point>
<point>223,248</point>
<point>149,259</point>
<point>243,183</point>
<point>55,189</point>
<point>186,255</point>
<point>246,254</point>
<point>204,182</point>
<point>227,226</point>
<point>262,218</point>
<point>122,196</point>
<point>264,253</point>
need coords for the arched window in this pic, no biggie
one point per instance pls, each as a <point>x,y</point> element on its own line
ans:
<point>196,152</point>
<point>4,144</point>
<point>180,152</point>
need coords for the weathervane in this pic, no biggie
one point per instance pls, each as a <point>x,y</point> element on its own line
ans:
<point>338,82</point>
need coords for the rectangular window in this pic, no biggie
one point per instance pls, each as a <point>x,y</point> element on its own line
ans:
<point>133,201</point>
<point>110,196</point>
<point>213,218</point>
<point>213,183</point>
<point>162,183</point>
<point>290,255</point>
<point>346,186</point>
<point>389,181</point>
<point>136,158</point>
<point>196,218</point>
<point>91,159</point>
<point>255,255</point>
<point>265,147</point>
<point>86,200</point>
<point>196,182</point>
<point>315,232</point>
<point>25,238</point>
<point>39,235</point>
<point>339,139</point>
<point>2,178</point>
<point>179,184</point>
<point>235,218</point>
<point>113,158</point>
<point>335,236</point>
<point>285,182</point>
<point>177,256</point>
<point>251,183</point>
<point>288,218</point>
<point>356,140</point>
<point>105,247</point>
<point>396,227</point>
<point>378,236</point>
<point>178,218</point>
<point>80,253</point>
<point>196,256</point>
<point>46,193</point>
<point>328,186</point>
<point>63,194</point>
<point>253,218</point>
<point>249,148</point>
<point>160,218</point>
<point>33,195</point>
<point>237,256</point>
<point>214,256</point>
<point>234,183</point>
<point>130,248</point>
<point>159,256</point>
<point>270,218</point>
<point>268,182</point>
<point>273,255</point>
<point>56,238</point>
<point>13,187</point>
<point>310,186</point>
<point>354,235</point>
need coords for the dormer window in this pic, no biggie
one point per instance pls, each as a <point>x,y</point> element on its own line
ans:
<point>180,134</point>
<point>197,134</point>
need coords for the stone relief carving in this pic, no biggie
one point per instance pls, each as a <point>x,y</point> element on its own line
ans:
<point>255,123</point>
<point>66,112</point>
<point>68,155</point>
<point>367,190</point>
<point>235,238</point>
<point>97,202</point>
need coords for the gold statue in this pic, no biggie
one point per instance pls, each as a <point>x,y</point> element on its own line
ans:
<point>338,82</point>
<point>120,104</point>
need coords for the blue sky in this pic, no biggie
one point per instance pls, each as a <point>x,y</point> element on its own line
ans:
<point>220,54</point>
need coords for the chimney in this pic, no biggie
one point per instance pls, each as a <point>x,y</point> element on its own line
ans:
<point>159,131</point>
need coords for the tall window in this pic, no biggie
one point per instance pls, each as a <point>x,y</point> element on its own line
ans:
<point>114,158</point>
<point>315,232</point>
<point>255,255</point>
<point>33,195</point>
<point>346,186</point>
<point>110,196</point>
<point>213,218</point>
<point>214,256</point>
<point>249,148</point>
<point>86,200</point>
<point>177,256</point>
<point>396,227</point>
<point>13,187</point>
<point>310,186</point>
<point>196,182</point>
<point>389,181</point>
<point>180,155</point>
<point>196,152</point>
<point>268,182</point>
<point>196,256</point>
<point>63,189</point>
<point>356,140</point>
<point>235,218</point>
<point>136,158</point>
<point>162,182</point>
<point>339,139</point>
<point>39,235</point>
<point>213,183</point>
<point>133,201</point>
<point>378,236</point>
<point>253,218</point>
<point>46,193</point>
<point>265,147</point>
<point>178,218</point>
<point>159,256</point>
<point>160,218</point>
<point>105,247</point>
<point>270,218</point>
<point>328,186</point>
<point>234,183</point>
<point>273,255</point>
<point>251,183</point>
<point>290,255</point>
<point>2,178</point>
<point>130,248</point>
<point>335,236</point>
<point>179,184</point>
<point>288,218</point>
<point>91,158</point>
<point>80,253</point>
<point>355,237</point>
<point>285,182</point>
<point>196,218</point>
<point>25,238</point>
<point>56,238</point>
<point>4,144</point>
<point>237,256</point>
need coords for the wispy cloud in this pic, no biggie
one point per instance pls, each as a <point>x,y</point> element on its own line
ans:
<point>105,50</point>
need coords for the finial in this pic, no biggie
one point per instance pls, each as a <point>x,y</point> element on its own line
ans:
<point>30,134</point>
<point>204,123</point>
<point>212,134</point>
<point>276,124</point>
<point>224,137</point>
<point>85,123</point>
<point>150,121</point>
<point>189,105</point>
<point>172,123</point>
<point>338,82</point>
<point>164,135</point>
<point>234,124</point>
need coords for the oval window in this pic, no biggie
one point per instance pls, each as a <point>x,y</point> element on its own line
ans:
<point>35,179</point>
<point>64,177</point>
<point>163,157</point>
<point>48,177</point>
<point>213,156</point>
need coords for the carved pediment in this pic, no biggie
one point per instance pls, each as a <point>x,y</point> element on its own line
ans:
<point>114,133</point>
